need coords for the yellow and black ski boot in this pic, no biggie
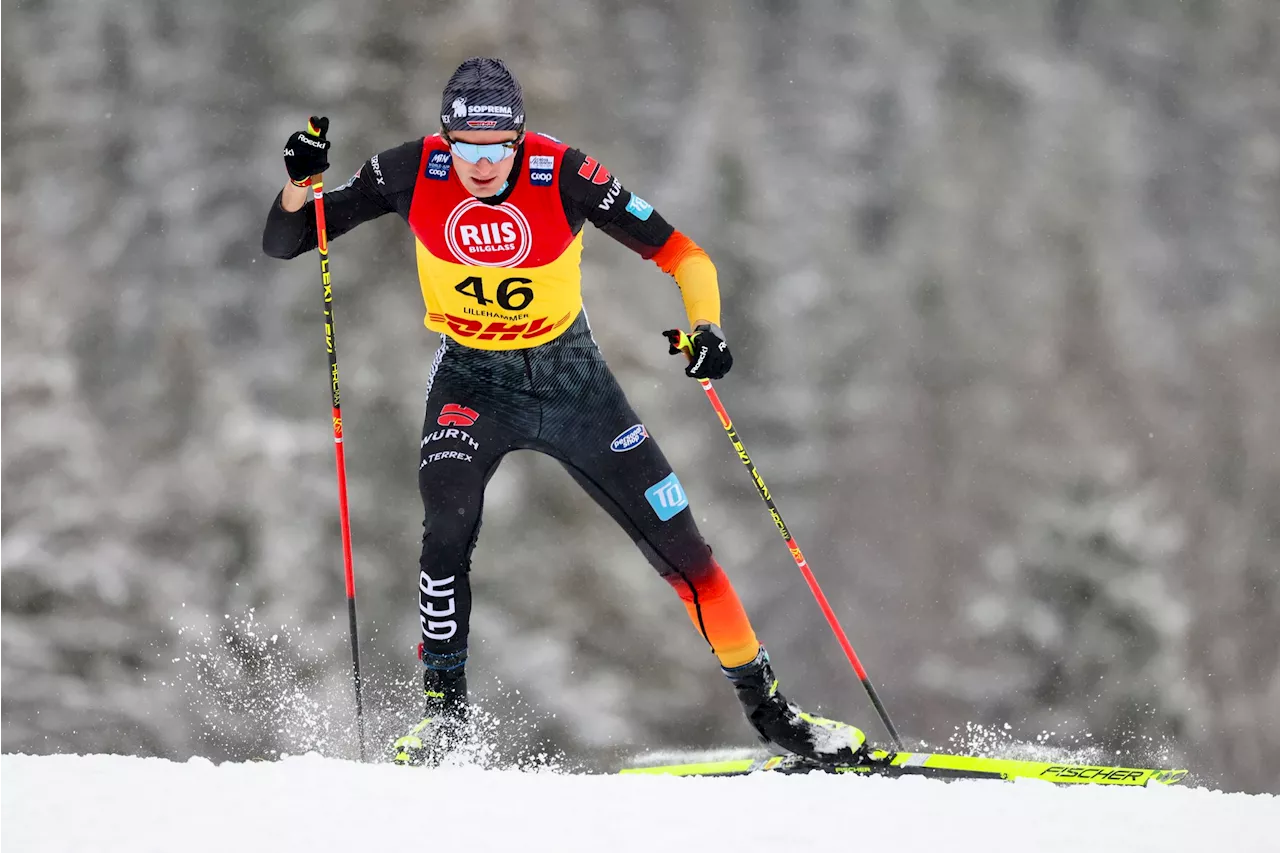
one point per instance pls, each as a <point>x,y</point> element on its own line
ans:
<point>443,727</point>
<point>780,722</point>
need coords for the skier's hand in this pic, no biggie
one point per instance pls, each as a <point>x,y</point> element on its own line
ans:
<point>709,356</point>
<point>307,152</point>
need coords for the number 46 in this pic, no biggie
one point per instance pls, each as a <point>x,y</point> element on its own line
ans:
<point>508,296</point>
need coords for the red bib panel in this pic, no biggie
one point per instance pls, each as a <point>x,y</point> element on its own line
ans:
<point>496,276</point>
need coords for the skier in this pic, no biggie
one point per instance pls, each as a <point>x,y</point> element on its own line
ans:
<point>498,213</point>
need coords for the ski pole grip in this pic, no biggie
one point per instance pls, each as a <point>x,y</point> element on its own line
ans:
<point>317,128</point>
<point>679,342</point>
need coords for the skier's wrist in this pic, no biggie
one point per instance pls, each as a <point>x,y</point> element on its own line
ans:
<point>293,198</point>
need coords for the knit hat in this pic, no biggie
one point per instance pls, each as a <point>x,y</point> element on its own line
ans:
<point>482,94</point>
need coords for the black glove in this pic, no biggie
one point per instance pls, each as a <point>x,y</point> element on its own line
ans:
<point>307,152</point>
<point>709,356</point>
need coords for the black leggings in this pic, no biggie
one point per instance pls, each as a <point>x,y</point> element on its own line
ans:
<point>560,399</point>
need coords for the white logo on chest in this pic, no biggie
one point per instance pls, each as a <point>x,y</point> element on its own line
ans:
<point>489,235</point>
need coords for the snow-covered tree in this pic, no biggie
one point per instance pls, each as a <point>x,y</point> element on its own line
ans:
<point>1085,624</point>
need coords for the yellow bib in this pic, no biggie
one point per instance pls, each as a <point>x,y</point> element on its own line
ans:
<point>499,308</point>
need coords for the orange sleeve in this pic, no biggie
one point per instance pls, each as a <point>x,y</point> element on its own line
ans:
<point>694,274</point>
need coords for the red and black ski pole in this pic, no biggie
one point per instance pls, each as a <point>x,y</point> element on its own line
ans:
<point>681,341</point>
<point>317,192</point>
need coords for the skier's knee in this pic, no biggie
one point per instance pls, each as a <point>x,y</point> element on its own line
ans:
<point>690,561</point>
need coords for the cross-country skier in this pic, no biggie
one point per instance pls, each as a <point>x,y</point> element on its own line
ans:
<point>498,213</point>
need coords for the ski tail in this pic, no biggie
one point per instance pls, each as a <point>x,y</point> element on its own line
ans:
<point>881,762</point>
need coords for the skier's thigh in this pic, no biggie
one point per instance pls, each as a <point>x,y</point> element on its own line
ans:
<point>459,450</point>
<point>626,472</point>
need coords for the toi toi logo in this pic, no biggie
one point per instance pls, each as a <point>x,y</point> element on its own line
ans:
<point>667,497</point>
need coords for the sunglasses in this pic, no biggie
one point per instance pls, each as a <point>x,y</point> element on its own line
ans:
<point>494,152</point>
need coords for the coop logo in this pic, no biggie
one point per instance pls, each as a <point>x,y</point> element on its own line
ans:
<point>629,439</point>
<point>454,415</point>
<point>667,497</point>
<point>434,627</point>
<point>542,170</point>
<point>488,235</point>
<point>438,165</point>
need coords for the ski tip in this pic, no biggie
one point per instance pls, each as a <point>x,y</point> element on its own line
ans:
<point>1167,777</point>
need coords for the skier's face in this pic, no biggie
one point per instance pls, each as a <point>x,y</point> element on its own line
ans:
<point>486,177</point>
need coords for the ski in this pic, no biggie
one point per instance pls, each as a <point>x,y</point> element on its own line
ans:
<point>935,765</point>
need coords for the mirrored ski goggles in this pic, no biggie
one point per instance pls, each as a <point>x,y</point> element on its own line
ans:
<point>494,152</point>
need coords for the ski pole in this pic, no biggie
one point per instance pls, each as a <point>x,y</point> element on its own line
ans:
<point>317,192</point>
<point>681,341</point>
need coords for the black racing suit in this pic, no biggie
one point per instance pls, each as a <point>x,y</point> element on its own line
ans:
<point>559,398</point>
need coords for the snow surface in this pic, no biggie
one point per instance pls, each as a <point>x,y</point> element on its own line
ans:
<point>100,804</point>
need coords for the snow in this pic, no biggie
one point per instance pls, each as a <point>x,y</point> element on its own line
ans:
<point>310,803</point>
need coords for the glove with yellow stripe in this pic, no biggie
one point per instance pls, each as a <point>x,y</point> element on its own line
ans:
<point>307,152</point>
<point>709,356</point>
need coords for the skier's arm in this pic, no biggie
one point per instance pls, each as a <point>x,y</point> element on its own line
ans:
<point>696,276</point>
<point>383,185</point>
<point>590,192</point>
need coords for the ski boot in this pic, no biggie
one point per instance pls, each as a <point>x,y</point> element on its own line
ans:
<point>779,722</point>
<point>443,726</point>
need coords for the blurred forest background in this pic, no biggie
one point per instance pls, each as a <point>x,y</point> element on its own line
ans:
<point>1002,281</point>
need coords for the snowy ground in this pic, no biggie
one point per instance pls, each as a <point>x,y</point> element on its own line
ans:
<point>101,804</point>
